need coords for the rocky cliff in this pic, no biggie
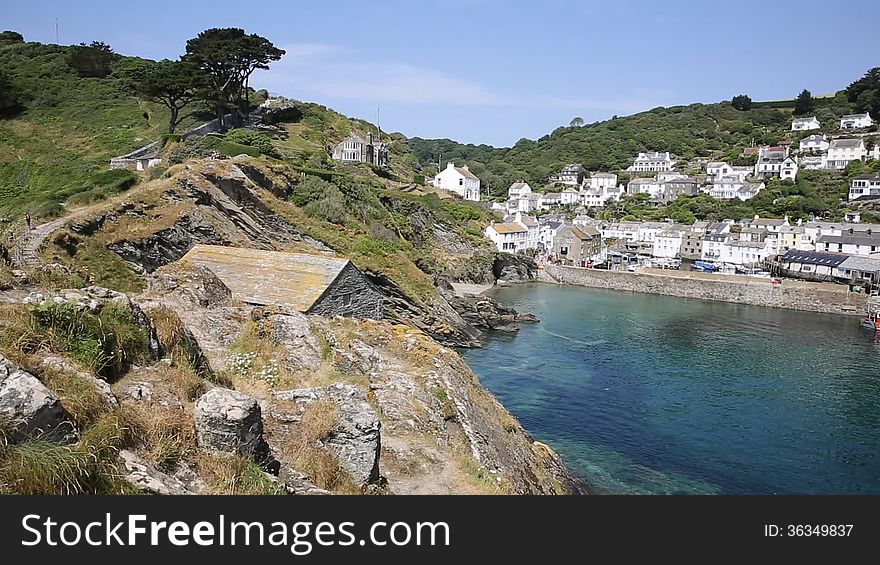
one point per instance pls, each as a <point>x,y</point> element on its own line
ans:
<point>317,404</point>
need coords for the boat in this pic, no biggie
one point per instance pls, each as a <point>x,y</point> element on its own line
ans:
<point>704,266</point>
<point>872,317</point>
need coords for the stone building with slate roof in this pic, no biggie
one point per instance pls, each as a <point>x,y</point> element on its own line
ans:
<point>311,284</point>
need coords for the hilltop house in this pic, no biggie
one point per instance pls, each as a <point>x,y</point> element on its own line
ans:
<point>311,284</point>
<point>460,181</point>
<point>355,149</point>
<point>805,124</point>
<point>578,245</point>
<point>510,237</point>
<point>597,197</point>
<point>865,186</point>
<point>814,144</point>
<point>652,162</point>
<point>572,175</point>
<point>842,152</point>
<point>856,121</point>
<point>598,181</point>
<point>518,189</point>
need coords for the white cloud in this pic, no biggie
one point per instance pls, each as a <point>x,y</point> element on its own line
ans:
<point>320,71</point>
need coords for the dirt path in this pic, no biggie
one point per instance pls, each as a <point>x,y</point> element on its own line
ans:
<point>415,467</point>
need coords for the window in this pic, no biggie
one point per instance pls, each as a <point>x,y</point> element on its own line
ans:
<point>460,182</point>
<point>346,299</point>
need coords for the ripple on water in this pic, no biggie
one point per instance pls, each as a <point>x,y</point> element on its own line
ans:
<point>651,394</point>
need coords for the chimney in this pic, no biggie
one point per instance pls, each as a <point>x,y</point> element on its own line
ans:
<point>465,167</point>
<point>450,165</point>
<point>800,221</point>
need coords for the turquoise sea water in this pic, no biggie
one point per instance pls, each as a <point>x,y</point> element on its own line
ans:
<point>652,394</point>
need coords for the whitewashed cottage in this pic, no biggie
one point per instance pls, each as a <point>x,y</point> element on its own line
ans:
<point>460,181</point>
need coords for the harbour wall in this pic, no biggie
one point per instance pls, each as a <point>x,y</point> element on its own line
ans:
<point>790,295</point>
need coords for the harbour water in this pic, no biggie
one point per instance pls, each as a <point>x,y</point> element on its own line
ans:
<point>651,394</point>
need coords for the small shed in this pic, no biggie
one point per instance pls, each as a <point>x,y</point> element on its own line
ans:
<point>311,284</point>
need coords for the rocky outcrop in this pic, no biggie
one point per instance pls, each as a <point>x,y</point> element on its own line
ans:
<point>147,478</point>
<point>354,440</point>
<point>292,331</point>
<point>28,409</point>
<point>93,299</point>
<point>231,422</point>
<point>485,312</point>
<point>432,407</point>
<point>514,268</point>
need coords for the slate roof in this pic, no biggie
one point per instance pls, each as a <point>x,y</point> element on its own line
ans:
<point>851,239</point>
<point>863,264</point>
<point>466,173</point>
<point>272,278</point>
<point>845,143</point>
<point>814,257</point>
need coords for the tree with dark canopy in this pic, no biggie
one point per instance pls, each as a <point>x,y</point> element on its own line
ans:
<point>176,84</point>
<point>576,122</point>
<point>9,37</point>
<point>228,57</point>
<point>10,96</point>
<point>94,60</point>
<point>741,102</point>
<point>804,103</point>
<point>865,93</point>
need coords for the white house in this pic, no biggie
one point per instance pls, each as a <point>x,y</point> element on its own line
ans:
<point>571,174</point>
<point>805,124</point>
<point>533,227</point>
<point>569,195</point>
<point>667,243</point>
<point>648,231</point>
<point>717,169</point>
<point>518,189</point>
<point>865,186</point>
<point>460,181</point>
<point>645,186</point>
<point>746,253</point>
<point>547,232</point>
<point>597,197</point>
<point>731,187</point>
<point>770,161</point>
<point>814,144</point>
<point>511,237</point>
<point>550,200</point>
<point>874,153</point>
<point>356,149</point>
<point>628,231</point>
<point>601,180</point>
<point>850,242</point>
<point>856,121</point>
<point>789,168</point>
<point>842,152</point>
<point>652,162</point>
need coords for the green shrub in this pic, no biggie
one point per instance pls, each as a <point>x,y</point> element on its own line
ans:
<point>193,148</point>
<point>232,149</point>
<point>253,139</point>
<point>107,343</point>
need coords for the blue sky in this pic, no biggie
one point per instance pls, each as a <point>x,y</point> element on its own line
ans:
<point>494,71</point>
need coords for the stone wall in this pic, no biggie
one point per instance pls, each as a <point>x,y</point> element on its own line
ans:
<point>351,295</point>
<point>758,293</point>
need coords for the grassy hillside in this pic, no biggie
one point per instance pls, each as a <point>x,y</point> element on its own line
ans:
<point>696,130</point>
<point>59,143</point>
